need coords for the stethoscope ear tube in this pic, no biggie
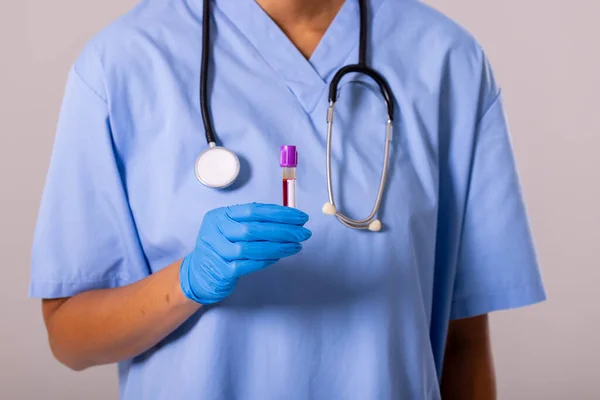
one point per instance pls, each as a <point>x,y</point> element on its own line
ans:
<point>370,223</point>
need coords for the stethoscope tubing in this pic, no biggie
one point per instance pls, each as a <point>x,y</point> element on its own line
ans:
<point>204,107</point>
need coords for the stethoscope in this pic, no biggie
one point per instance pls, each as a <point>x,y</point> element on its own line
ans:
<point>218,167</point>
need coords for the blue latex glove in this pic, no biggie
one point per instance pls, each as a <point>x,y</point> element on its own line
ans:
<point>238,240</point>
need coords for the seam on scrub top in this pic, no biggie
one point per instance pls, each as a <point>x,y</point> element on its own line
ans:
<point>465,206</point>
<point>89,86</point>
<point>256,50</point>
<point>281,79</point>
<point>111,278</point>
<point>488,109</point>
<point>495,292</point>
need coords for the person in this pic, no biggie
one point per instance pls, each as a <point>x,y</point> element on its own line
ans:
<point>199,293</point>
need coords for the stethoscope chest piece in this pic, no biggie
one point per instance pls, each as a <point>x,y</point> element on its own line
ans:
<point>217,167</point>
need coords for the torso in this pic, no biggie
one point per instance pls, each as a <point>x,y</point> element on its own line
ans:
<point>350,315</point>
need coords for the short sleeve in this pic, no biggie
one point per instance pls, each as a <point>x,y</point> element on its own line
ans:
<point>85,236</point>
<point>497,267</point>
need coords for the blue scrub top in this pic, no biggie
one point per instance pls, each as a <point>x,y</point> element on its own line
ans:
<point>356,315</point>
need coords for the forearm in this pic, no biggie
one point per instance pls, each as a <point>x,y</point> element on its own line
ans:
<point>110,325</point>
<point>468,372</point>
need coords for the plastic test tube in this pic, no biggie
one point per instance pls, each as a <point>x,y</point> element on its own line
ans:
<point>289,161</point>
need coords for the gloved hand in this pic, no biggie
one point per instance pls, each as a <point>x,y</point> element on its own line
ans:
<point>238,240</point>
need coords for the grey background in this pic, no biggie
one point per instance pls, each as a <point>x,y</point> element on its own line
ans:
<point>546,55</point>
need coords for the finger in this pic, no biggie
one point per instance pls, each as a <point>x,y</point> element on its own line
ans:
<point>245,267</point>
<point>267,250</point>
<point>264,231</point>
<point>259,251</point>
<point>257,212</point>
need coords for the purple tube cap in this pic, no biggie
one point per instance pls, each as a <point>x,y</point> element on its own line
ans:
<point>288,156</point>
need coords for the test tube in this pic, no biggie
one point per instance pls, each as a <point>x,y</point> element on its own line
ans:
<point>289,161</point>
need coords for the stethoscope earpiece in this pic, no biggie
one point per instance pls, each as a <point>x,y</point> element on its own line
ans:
<point>373,225</point>
<point>329,209</point>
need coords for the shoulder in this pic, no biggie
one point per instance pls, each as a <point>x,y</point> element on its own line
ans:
<point>126,39</point>
<point>416,16</point>
<point>422,28</point>
<point>434,50</point>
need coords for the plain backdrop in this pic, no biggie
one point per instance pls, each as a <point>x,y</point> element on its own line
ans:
<point>546,55</point>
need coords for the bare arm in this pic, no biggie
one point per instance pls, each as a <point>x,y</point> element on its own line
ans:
<point>110,325</point>
<point>468,372</point>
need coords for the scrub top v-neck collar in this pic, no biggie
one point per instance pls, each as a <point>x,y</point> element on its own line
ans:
<point>306,79</point>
